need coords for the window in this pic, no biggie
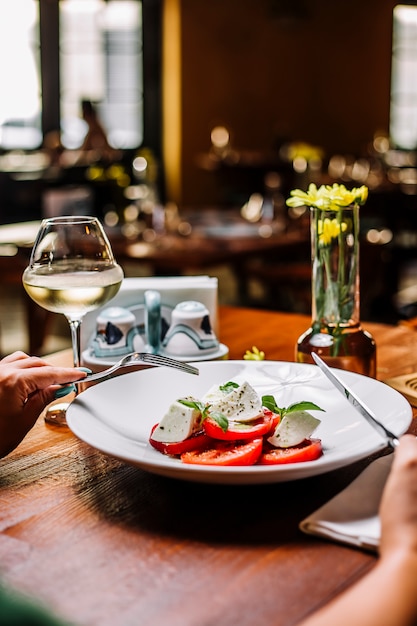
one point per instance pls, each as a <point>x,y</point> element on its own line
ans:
<point>403,113</point>
<point>101,61</point>
<point>70,50</point>
<point>20,102</point>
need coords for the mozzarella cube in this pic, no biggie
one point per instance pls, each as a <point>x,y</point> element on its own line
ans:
<point>293,429</point>
<point>178,423</point>
<point>239,404</point>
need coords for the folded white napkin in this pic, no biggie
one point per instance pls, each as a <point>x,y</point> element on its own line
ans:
<point>351,517</point>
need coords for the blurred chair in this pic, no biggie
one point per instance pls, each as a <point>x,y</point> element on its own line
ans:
<point>284,286</point>
<point>282,278</point>
<point>37,319</point>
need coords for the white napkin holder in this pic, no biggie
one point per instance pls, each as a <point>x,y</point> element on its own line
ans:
<point>173,289</point>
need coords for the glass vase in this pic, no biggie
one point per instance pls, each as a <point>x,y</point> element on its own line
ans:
<point>336,333</point>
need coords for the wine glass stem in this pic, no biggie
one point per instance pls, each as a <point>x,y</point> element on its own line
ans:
<point>75,327</point>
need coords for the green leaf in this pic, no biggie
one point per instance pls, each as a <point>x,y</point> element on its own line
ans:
<point>270,403</point>
<point>228,387</point>
<point>302,406</point>
<point>220,419</point>
<point>195,404</point>
<point>192,404</point>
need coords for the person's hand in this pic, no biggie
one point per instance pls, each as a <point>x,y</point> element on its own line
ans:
<point>27,385</point>
<point>398,510</point>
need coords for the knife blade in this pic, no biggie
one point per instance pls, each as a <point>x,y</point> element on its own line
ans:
<point>358,404</point>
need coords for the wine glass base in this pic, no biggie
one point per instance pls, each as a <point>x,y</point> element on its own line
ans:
<point>56,414</point>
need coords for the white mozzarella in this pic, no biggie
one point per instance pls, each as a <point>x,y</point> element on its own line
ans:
<point>178,423</point>
<point>240,404</point>
<point>293,429</point>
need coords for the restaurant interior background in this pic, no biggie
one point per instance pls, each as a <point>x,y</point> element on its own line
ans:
<point>242,101</point>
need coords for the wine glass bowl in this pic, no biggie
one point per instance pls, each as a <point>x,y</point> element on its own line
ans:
<point>71,271</point>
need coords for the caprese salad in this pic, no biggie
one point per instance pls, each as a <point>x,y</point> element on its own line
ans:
<point>232,425</point>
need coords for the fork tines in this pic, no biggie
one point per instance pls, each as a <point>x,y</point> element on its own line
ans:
<point>157,359</point>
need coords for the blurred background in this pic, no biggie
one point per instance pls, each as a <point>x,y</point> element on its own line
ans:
<point>184,124</point>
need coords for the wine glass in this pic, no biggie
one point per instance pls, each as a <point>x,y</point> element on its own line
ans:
<point>71,271</point>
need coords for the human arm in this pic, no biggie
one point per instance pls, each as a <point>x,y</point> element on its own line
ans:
<point>27,385</point>
<point>388,593</point>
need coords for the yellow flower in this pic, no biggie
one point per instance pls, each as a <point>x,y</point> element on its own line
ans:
<point>328,197</point>
<point>361,194</point>
<point>328,229</point>
<point>304,150</point>
<point>255,355</point>
<point>313,197</point>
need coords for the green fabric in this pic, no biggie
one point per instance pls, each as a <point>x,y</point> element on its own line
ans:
<point>18,611</point>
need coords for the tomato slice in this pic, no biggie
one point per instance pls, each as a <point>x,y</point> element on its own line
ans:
<point>239,430</point>
<point>226,453</point>
<point>309,450</point>
<point>195,442</point>
<point>275,419</point>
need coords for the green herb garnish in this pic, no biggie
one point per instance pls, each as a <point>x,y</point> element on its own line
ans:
<point>228,387</point>
<point>270,403</point>
<point>219,418</point>
<point>196,405</point>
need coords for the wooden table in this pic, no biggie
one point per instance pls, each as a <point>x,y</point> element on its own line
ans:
<point>103,543</point>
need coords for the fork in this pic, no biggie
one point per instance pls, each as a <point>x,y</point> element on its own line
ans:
<point>137,358</point>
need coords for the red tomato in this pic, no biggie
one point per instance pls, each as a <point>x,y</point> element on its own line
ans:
<point>275,419</point>
<point>248,430</point>
<point>195,442</point>
<point>226,453</point>
<point>309,450</point>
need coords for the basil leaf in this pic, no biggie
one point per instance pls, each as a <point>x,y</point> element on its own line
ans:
<point>194,404</point>
<point>303,406</point>
<point>269,403</point>
<point>228,387</point>
<point>220,419</point>
<point>198,406</point>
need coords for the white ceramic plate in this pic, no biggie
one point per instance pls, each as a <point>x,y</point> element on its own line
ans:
<point>116,416</point>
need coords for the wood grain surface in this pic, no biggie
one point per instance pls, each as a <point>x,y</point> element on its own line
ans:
<point>102,543</point>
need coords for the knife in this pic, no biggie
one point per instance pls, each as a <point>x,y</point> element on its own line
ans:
<point>391,439</point>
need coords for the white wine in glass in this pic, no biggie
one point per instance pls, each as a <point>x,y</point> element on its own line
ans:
<point>71,271</point>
